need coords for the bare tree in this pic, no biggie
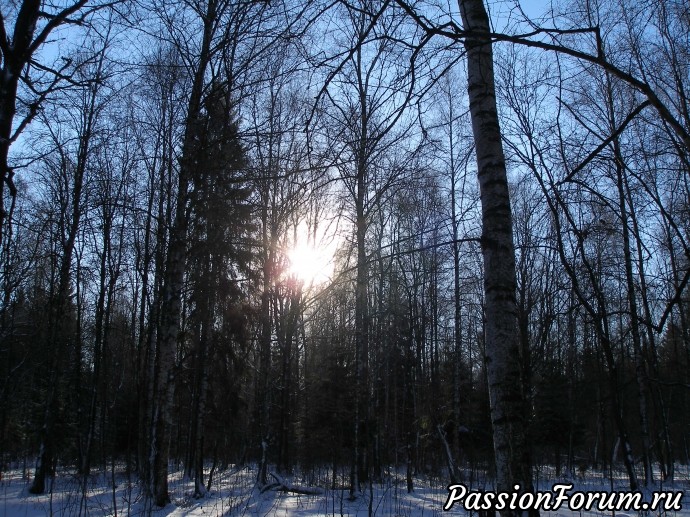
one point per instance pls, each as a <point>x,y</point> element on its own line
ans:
<point>503,354</point>
<point>368,99</point>
<point>73,168</point>
<point>23,31</point>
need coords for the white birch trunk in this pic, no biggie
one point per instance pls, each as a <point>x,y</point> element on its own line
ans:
<point>508,414</point>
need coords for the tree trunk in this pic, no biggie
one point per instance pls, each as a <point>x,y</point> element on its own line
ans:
<point>174,279</point>
<point>457,321</point>
<point>360,472</point>
<point>14,59</point>
<point>263,396</point>
<point>666,461</point>
<point>60,304</point>
<point>502,356</point>
<point>640,369</point>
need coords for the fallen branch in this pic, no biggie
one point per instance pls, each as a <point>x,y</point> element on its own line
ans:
<point>282,486</point>
<point>270,486</point>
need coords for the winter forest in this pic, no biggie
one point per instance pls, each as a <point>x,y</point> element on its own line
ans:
<point>342,245</point>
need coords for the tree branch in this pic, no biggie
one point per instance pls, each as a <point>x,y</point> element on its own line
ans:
<point>606,142</point>
<point>454,32</point>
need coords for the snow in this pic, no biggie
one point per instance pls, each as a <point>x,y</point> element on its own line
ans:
<point>234,493</point>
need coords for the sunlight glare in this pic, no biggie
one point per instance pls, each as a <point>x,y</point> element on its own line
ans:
<point>313,265</point>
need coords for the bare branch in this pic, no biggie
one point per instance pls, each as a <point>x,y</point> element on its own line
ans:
<point>615,134</point>
<point>452,31</point>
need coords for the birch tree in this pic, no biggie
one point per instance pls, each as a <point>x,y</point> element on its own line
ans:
<point>502,356</point>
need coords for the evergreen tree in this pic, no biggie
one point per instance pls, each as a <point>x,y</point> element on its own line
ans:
<point>219,256</point>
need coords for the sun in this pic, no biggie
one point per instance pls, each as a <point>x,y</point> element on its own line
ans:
<point>313,265</point>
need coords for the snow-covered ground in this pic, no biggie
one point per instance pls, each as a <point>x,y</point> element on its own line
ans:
<point>233,494</point>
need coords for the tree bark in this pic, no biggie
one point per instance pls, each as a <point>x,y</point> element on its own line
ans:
<point>502,356</point>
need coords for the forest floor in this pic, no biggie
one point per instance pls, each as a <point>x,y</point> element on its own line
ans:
<point>233,493</point>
